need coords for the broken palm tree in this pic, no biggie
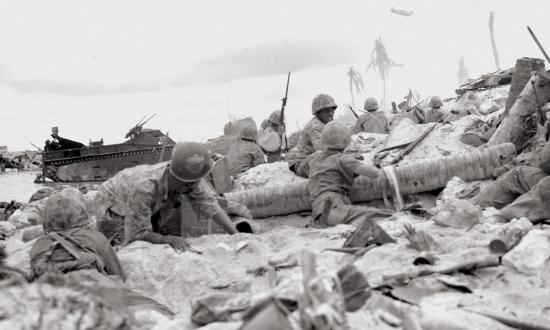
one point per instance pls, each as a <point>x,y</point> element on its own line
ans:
<point>413,178</point>
<point>355,82</point>
<point>493,43</point>
<point>519,126</point>
<point>382,64</point>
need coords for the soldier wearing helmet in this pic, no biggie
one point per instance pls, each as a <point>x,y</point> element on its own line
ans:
<point>245,153</point>
<point>272,138</point>
<point>68,243</point>
<point>434,115</point>
<point>331,174</point>
<point>131,205</point>
<point>373,121</point>
<point>322,108</point>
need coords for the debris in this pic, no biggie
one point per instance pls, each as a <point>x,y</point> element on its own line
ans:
<point>419,239</point>
<point>509,320</point>
<point>481,262</point>
<point>458,213</point>
<point>530,255</point>
<point>413,144</point>
<point>506,240</point>
<point>368,233</point>
<point>7,229</point>
<point>424,258</point>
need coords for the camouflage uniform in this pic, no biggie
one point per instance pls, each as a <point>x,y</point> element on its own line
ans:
<point>67,244</point>
<point>310,141</point>
<point>331,175</point>
<point>244,155</point>
<point>65,210</point>
<point>126,203</point>
<point>372,122</point>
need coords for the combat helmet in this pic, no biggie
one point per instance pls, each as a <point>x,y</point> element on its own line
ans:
<point>322,101</point>
<point>371,104</point>
<point>335,135</point>
<point>190,161</point>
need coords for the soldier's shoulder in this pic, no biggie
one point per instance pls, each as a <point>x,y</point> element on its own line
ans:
<point>314,124</point>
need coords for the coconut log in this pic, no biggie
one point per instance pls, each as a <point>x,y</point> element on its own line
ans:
<point>522,73</point>
<point>413,178</point>
<point>512,129</point>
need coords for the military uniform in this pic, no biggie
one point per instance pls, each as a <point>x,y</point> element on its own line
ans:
<point>331,175</point>
<point>126,203</point>
<point>68,245</point>
<point>523,190</point>
<point>244,155</point>
<point>372,122</point>
<point>310,141</point>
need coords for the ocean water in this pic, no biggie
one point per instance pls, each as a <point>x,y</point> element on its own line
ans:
<point>17,186</point>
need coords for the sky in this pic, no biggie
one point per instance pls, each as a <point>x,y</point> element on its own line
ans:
<point>95,68</point>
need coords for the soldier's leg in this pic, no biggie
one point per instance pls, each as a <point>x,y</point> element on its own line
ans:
<point>534,205</point>
<point>509,186</point>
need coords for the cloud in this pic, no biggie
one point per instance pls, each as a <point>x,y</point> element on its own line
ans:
<point>258,61</point>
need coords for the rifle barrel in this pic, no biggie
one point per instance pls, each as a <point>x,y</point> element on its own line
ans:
<point>538,44</point>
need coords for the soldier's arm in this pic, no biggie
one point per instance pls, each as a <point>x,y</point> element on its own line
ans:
<point>258,157</point>
<point>357,128</point>
<point>358,167</point>
<point>205,204</point>
<point>138,222</point>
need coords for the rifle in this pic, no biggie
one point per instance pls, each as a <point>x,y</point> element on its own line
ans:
<point>282,118</point>
<point>538,44</point>
<point>353,111</point>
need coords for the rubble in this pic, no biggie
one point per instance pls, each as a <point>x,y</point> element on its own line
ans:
<point>437,272</point>
<point>530,255</point>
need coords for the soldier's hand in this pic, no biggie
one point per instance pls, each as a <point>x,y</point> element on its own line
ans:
<point>178,243</point>
<point>282,129</point>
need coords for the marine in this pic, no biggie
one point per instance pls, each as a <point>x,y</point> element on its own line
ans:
<point>245,153</point>
<point>68,243</point>
<point>373,121</point>
<point>522,191</point>
<point>137,202</point>
<point>331,174</point>
<point>322,108</point>
<point>272,137</point>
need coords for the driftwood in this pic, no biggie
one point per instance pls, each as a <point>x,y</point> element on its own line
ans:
<point>509,320</point>
<point>486,261</point>
<point>413,178</point>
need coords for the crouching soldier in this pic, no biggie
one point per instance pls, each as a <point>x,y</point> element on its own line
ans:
<point>127,203</point>
<point>68,244</point>
<point>522,191</point>
<point>373,121</point>
<point>322,108</point>
<point>245,153</point>
<point>331,174</point>
<point>272,137</point>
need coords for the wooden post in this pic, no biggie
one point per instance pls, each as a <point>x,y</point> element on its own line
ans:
<point>512,129</point>
<point>522,73</point>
